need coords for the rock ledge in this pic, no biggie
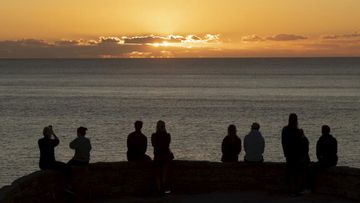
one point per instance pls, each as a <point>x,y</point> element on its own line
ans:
<point>111,180</point>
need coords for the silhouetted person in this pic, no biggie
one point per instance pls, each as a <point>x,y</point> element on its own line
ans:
<point>231,146</point>
<point>82,147</point>
<point>296,150</point>
<point>326,148</point>
<point>137,144</point>
<point>254,145</point>
<point>326,153</point>
<point>160,140</point>
<point>47,146</point>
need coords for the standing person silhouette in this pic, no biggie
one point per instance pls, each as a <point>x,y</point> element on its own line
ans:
<point>231,146</point>
<point>82,147</point>
<point>137,144</point>
<point>160,140</point>
<point>47,146</point>
<point>296,151</point>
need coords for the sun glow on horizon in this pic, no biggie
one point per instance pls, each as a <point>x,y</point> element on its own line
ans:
<point>179,28</point>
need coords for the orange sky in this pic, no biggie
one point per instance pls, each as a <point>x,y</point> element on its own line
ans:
<point>179,28</point>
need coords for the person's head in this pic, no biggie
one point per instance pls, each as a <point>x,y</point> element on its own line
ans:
<point>160,126</point>
<point>325,129</point>
<point>293,120</point>
<point>81,131</point>
<point>232,130</point>
<point>138,125</point>
<point>255,126</point>
<point>47,132</point>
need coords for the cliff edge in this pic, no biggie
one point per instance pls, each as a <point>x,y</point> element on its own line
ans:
<point>116,179</point>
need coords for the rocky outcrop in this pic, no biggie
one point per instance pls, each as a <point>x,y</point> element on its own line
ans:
<point>106,180</point>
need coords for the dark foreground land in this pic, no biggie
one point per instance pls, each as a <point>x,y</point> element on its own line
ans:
<point>242,196</point>
<point>191,181</point>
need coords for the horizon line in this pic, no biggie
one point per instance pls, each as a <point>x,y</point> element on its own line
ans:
<point>165,58</point>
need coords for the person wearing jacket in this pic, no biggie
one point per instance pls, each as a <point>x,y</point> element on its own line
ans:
<point>82,147</point>
<point>254,145</point>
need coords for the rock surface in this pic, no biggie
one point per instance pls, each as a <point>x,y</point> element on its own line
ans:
<point>113,180</point>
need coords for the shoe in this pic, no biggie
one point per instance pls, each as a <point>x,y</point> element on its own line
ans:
<point>305,192</point>
<point>69,191</point>
<point>296,194</point>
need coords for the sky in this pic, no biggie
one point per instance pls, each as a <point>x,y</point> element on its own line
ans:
<point>179,28</point>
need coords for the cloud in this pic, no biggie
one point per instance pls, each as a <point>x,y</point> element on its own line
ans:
<point>191,45</point>
<point>105,46</point>
<point>278,37</point>
<point>150,39</point>
<point>25,43</point>
<point>154,39</point>
<point>285,37</point>
<point>110,40</point>
<point>68,42</point>
<point>30,48</point>
<point>343,36</point>
<point>252,38</point>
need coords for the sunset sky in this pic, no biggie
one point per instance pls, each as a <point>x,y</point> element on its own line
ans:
<point>174,28</point>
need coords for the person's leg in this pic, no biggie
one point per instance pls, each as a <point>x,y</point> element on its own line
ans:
<point>157,172</point>
<point>77,163</point>
<point>164,171</point>
<point>146,158</point>
<point>292,179</point>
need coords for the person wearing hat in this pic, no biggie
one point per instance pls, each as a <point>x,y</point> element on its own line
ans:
<point>254,145</point>
<point>82,147</point>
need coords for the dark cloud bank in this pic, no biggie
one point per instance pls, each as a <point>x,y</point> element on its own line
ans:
<point>101,48</point>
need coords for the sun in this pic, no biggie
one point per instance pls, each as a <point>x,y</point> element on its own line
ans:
<point>162,44</point>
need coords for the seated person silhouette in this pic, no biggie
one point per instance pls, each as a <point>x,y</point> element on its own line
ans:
<point>82,147</point>
<point>137,144</point>
<point>326,148</point>
<point>47,145</point>
<point>326,152</point>
<point>231,146</point>
<point>254,145</point>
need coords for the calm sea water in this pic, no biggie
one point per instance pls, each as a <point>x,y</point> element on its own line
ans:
<point>197,98</point>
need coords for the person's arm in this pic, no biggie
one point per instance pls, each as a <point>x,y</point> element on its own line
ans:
<point>146,142</point>
<point>306,142</point>
<point>90,147</point>
<point>223,146</point>
<point>246,142</point>
<point>56,140</point>
<point>153,140</point>
<point>284,142</point>
<point>169,138</point>
<point>240,146</point>
<point>128,143</point>
<point>262,144</point>
<point>318,150</point>
<point>74,144</point>
<point>142,144</point>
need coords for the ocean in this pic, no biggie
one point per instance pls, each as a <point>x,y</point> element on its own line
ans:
<point>197,98</point>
